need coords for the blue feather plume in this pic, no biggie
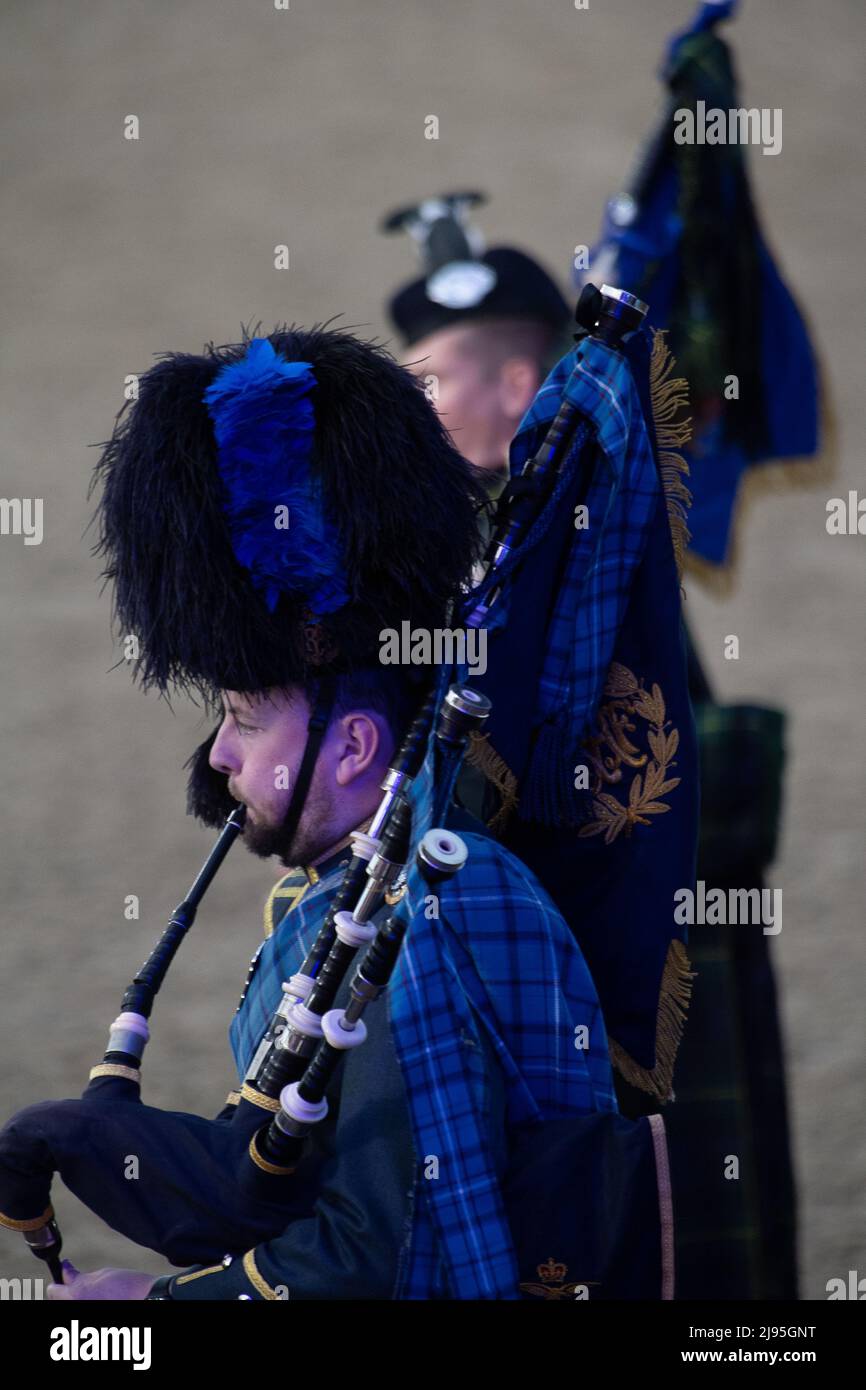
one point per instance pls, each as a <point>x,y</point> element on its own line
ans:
<point>263,421</point>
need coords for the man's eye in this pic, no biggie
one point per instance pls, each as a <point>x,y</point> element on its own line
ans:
<point>240,725</point>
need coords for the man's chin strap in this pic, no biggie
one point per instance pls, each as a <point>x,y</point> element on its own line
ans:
<point>208,797</point>
<point>320,718</point>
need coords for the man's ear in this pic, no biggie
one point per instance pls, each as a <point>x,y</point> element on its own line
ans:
<point>360,743</point>
<point>519,380</point>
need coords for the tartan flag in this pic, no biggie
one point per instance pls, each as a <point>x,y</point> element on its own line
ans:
<point>685,236</point>
<point>590,761</point>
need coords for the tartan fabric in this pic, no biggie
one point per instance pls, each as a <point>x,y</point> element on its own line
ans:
<point>742,758</point>
<point>716,1233</point>
<point>734,1239</point>
<point>277,958</point>
<point>692,247</point>
<point>590,603</point>
<point>499,956</point>
<point>622,499</point>
<point>730,1076</point>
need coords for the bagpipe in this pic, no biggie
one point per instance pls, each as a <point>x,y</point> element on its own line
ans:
<point>231,1164</point>
<point>592,1188</point>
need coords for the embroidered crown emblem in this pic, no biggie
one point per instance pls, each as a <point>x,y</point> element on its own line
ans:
<point>552,1276</point>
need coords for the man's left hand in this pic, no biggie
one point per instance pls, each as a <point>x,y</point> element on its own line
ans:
<point>109,1284</point>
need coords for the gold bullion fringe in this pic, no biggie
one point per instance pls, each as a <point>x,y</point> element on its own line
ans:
<point>674,996</point>
<point>669,395</point>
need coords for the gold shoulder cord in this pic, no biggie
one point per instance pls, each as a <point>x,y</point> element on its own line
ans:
<point>259,1284</point>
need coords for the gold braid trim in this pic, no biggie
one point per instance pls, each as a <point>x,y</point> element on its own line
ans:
<point>33,1223</point>
<point>115,1069</point>
<point>259,1284</point>
<point>197,1274</point>
<point>256,1098</point>
<point>263,1163</point>
<point>669,395</point>
<point>674,995</point>
<point>296,892</point>
<point>482,755</point>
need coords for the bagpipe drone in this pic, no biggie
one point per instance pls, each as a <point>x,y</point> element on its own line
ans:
<point>594,1189</point>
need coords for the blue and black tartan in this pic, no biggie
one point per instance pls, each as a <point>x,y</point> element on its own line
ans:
<point>582,619</point>
<point>498,956</point>
<point>621,501</point>
<point>594,602</point>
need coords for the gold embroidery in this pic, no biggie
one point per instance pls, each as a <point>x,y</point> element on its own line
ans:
<point>668,396</point>
<point>612,749</point>
<point>233,1098</point>
<point>481,754</point>
<point>550,1272</point>
<point>674,996</point>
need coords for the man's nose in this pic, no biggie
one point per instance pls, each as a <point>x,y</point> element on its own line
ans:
<point>222,757</point>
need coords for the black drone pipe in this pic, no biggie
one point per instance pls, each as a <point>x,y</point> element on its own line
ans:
<point>295,1037</point>
<point>273,1152</point>
<point>302,1104</point>
<point>129,1032</point>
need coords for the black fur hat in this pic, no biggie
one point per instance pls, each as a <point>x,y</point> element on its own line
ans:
<point>394,520</point>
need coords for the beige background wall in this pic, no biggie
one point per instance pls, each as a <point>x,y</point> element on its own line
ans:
<point>260,127</point>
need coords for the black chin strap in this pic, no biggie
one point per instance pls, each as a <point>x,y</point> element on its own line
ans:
<point>320,717</point>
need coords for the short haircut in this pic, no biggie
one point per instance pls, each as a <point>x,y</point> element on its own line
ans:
<point>383,691</point>
<point>494,340</point>
<point>394,694</point>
